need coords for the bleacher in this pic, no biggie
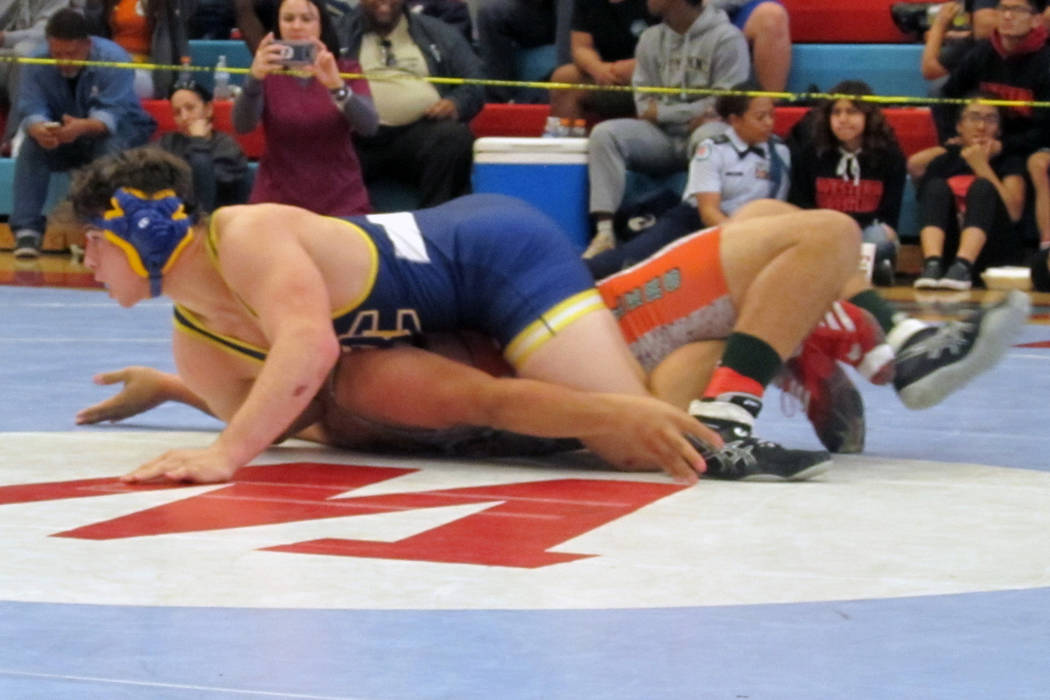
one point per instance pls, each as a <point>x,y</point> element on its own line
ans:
<point>832,41</point>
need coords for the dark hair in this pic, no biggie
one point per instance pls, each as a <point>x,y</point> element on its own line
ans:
<point>878,135</point>
<point>1038,5</point>
<point>193,86</point>
<point>67,25</point>
<point>727,105</point>
<point>329,37</point>
<point>147,168</point>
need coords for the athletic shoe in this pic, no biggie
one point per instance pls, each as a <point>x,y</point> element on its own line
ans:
<point>932,271</point>
<point>747,458</point>
<point>602,241</point>
<point>850,334</point>
<point>27,244</point>
<point>831,402</point>
<point>934,361</point>
<point>884,274</point>
<point>957,277</point>
<point>753,459</point>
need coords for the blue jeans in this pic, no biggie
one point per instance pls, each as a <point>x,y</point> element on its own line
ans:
<point>33,168</point>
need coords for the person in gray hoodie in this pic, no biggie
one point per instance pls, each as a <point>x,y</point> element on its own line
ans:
<point>694,46</point>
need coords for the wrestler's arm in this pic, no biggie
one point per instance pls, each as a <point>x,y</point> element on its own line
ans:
<point>412,387</point>
<point>265,264</point>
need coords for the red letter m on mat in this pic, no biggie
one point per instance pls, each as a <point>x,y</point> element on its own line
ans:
<point>522,523</point>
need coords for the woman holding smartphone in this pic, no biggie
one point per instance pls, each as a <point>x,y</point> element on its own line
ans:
<point>308,117</point>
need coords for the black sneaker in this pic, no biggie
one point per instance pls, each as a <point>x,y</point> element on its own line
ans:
<point>754,459</point>
<point>27,245</point>
<point>937,360</point>
<point>958,277</point>
<point>727,418</point>
<point>932,271</point>
<point>884,274</point>
<point>748,458</point>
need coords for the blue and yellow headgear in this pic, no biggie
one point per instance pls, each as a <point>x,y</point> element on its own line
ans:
<point>151,230</point>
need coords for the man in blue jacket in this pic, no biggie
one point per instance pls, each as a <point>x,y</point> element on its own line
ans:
<point>424,135</point>
<point>72,114</point>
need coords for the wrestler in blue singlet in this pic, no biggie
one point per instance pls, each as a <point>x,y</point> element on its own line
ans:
<point>485,262</point>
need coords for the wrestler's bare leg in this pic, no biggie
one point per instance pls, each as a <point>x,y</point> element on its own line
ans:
<point>684,374</point>
<point>783,272</point>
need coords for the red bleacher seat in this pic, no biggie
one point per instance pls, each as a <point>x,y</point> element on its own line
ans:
<point>253,144</point>
<point>835,21</point>
<point>913,125</point>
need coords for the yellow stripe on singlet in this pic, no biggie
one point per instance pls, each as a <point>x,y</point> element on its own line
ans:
<point>186,322</point>
<point>557,318</point>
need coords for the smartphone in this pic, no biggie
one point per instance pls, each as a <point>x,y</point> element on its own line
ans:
<point>297,52</point>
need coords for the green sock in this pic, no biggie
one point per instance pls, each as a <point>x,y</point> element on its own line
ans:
<point>873,303</point>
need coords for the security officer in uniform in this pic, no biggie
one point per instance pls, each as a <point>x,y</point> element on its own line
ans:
<point>746,163</point>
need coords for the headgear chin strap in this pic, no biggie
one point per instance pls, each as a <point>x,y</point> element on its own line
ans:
<point>151,230</point>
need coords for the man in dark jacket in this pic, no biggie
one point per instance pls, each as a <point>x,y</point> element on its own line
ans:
<point>424,134</point>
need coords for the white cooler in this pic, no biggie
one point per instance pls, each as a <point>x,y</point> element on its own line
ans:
<point>549,173</point>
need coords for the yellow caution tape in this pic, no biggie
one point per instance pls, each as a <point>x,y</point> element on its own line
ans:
<point>653,90</point>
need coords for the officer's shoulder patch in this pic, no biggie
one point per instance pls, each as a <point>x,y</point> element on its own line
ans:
<point>703,151</point>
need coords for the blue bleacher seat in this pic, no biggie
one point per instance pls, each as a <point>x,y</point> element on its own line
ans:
<point>205,53</point>
<point>890,69</point>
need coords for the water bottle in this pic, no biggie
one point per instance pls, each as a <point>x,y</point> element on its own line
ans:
<point>185,76</point>
<point>552,128</point>
<point>222,89</point>
<point>579,128</point>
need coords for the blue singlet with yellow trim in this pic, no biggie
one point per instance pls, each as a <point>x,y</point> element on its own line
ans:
<point>485,262</point>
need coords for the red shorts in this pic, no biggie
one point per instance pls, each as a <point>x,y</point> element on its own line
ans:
<point>676,296</point>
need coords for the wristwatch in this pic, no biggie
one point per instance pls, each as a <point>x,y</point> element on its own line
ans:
<point>340,94</point>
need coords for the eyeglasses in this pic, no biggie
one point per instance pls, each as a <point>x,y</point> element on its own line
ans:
<point>1015,9</point>
<point>989,118</point>
<point>389,59</point>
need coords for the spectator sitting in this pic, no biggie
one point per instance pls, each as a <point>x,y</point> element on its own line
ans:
<point>1039,173</point>
<point>219,168</point>
<point>72,115</point>
<point>982,187</point>
<point>257,18</point>
<point>505,26</point>
<point>746,163</point>
<point>21,33</point>
<point>604,34</point>
<point>1014,64</point>
<point>308,121</point>
<point>766,27</point>
<point>424,135</point>
<point>152,31</point>
<point>694,46</point>
<point>852,163</point>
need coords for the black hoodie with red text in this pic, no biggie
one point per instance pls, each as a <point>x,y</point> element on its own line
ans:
<point>1023,74</point>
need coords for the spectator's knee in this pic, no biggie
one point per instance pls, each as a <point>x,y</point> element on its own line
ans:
<point>568,73</point>
<point>1038,163</point>
<point>769,21</point>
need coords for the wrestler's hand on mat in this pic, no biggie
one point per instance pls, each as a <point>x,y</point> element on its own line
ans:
<point>143,389</point>
<point>201,466</point>
<point>646,434</point>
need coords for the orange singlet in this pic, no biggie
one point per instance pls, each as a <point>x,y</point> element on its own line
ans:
<point>676,296</point>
